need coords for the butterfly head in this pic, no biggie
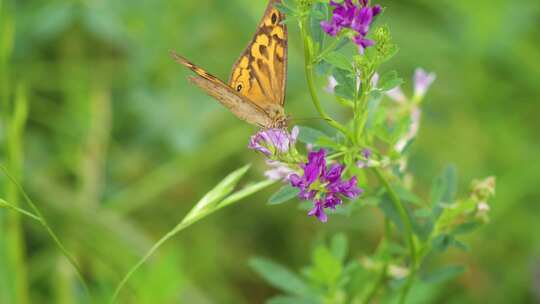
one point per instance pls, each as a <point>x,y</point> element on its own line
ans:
<point>277,115</point>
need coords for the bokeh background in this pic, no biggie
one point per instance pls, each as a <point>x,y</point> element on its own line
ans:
<point>116,146</point>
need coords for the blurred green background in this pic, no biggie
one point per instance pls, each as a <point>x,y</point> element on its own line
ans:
<point>117,146</point>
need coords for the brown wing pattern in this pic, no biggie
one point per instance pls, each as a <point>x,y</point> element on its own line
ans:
<point>260,72</point>
<point>240,106</point>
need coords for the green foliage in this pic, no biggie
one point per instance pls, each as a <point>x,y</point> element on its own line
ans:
<point>285,193</point>
<point>115,139</point>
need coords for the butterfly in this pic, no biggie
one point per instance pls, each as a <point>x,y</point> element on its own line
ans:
<point>256,89</point>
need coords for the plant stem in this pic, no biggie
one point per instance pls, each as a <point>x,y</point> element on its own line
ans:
<point>4,204</point>
<point>327,50</point>
<point>49,230</point>
<point>191,218</point>
<point>407,229</point>
<point>308,65</point>
<point>361,104</point>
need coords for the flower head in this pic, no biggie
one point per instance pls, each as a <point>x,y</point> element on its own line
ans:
<point>355,17</point>
<point>278,171</point>
<point>422,81</point>
<point>323,185</point>
<point>272,142</point>
<point>397,95</point>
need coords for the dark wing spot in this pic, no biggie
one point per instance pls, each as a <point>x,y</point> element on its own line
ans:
<point>263,51</point>
<point>274,18</point>
<point>239,88</point>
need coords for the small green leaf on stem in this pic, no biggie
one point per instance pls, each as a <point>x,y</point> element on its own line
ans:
<point>285,194</point>
<point>280,277</point>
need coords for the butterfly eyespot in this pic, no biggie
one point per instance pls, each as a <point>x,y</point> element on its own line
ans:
<point>239,88</point>
<point>274,18</point>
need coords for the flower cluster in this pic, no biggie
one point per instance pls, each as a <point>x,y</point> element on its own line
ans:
<point>357,17</point>
<point>273,142</point>
<point>322,185</point>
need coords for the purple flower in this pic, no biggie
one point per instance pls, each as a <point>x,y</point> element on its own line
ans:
<point>318,211</point>
<point>366,161</point>
<point>278,171</point>
<point>416,115</point>
<point>422,81</point>
<point>331,86</point>
<point>397,95</point>
<point>356,17</point>
<point>273,141</point>
<point>325,186</point>
<point>366,153</point>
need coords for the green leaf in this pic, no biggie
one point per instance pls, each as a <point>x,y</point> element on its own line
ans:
<point>210,203</point>
<point>444,188</point>
<point>285,9</point>
<point>460,245</point>
<point>444,274</point>
<point>389,81</point>
<point>374,101</point>
<point>245,192</point>
<point>214,196</point>
<point>279,276</point>
<point>338,60</point>
<point>339,246</point>
<point>343,92</point>
<point>293,300</point>
<point>318,13</point>
<point>326,267</point>
<point>285,194</point>
<point>346,84</point>
<point>390,211</point>
<point>442,242</point>
<point>466,228</point>
<point>406,195</point>
<point>309,135</point>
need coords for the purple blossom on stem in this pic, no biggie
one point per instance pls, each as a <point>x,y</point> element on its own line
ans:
<point>356,17</point>
<point>397,95</point>
<point>271,142</point>
<point>365,162</point>
<point>325,186</point>
<point>422,81</point>
<point>278,171</point>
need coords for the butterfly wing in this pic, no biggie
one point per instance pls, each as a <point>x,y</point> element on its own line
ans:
<point>260,73</point>
<point>239,105</point>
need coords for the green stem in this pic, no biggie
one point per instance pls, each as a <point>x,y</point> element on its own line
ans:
<point>361,113</point>
<point>330,48</point>
<point>407,227</point>
<point>49,230</point>
<point>308,65</point>
<point>4,204</point>
<point>191,218</point>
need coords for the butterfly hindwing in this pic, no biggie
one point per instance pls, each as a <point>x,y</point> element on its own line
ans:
<point>236,103</point>
<point>260,72</point>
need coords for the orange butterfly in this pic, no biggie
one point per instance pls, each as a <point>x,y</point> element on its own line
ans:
<point>256,89</point>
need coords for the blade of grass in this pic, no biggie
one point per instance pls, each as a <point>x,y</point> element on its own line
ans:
<point>12,224</point>
<point>48,228</point>
<point>4,204</point>
<point>214,200</point>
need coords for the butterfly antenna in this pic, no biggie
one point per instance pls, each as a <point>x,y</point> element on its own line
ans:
<point>308,119</point>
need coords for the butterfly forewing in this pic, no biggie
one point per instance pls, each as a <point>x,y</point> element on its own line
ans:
<point>256,90</point>
<point>236,103</point>
<point>260,72</point>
